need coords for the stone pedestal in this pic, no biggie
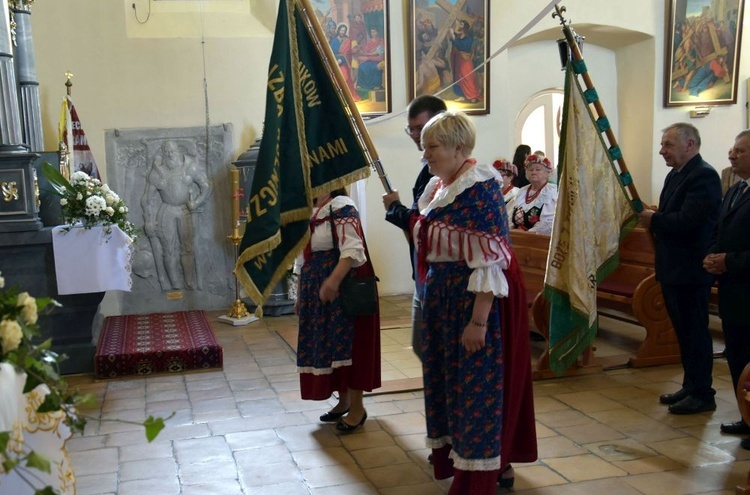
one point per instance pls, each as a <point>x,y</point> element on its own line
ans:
<point>28,262</point>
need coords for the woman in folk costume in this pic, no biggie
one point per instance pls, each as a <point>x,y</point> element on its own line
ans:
<point>335,352</point>
<point>508,171</point>
<point>533,208</point>
<point>466,264</point>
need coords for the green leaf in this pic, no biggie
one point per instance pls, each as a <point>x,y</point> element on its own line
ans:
<point>47,490</point>
<point>51,403</point>
<point>9,464</point>
<point>55,178</point>
<point>153,427</point>
<point>38,461</point>
<point>4,439</point>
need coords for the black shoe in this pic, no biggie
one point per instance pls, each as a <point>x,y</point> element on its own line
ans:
<point>506,482</point>
<point>345,427</point>
<point>745,443</point>
<point>691,405</point>
<point>673,398</point>
<point>736,428</point>
<point>331,416</point>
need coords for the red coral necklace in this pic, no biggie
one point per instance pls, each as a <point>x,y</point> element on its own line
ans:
<point>532,197</point>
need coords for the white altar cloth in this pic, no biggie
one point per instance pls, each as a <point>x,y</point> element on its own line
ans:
<point>90,260</point>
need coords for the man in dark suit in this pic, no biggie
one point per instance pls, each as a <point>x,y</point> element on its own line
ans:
<point>729,258</point>
<point>420,110</point>
<point>682,227</point>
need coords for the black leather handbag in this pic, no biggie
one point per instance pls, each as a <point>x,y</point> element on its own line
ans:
<point>359,295</point>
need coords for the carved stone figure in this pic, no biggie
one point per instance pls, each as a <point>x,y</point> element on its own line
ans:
<point>176,188</point>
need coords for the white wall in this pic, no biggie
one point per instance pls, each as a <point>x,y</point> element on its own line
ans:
<point>131,75</point>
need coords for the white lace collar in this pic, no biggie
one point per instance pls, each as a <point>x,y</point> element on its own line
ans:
<point>478,173</point>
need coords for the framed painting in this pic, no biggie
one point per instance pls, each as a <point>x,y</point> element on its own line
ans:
<point>449,41</point>
<point>702,43</point>
<point>358,33</point>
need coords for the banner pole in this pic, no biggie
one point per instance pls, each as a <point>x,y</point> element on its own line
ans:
<point>316,32</point>
<point>614,150</point>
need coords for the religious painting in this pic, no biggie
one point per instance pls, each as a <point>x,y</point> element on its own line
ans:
<point>702,45</point>
<point>357,31</point>
<point>449,43</point>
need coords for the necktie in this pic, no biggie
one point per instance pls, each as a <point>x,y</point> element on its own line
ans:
<point>740,189</point>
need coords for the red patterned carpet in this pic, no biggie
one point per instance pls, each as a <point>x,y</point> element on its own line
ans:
<point>156,343</point>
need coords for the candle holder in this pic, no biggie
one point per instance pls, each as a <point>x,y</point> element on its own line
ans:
<point>238,314</point>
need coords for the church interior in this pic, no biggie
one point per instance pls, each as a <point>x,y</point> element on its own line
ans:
<point>149,72</point>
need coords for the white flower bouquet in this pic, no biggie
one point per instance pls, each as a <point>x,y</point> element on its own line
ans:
<point>90,202</point>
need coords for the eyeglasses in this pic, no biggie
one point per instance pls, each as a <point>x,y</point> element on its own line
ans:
<point>413,130</point>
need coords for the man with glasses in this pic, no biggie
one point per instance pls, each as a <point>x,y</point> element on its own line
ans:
<point>419,111</point>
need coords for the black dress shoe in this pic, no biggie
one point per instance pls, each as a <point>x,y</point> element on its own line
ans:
<point>345,427</point>
<point>736,428</point>
<point>673,398</point>
<point>506,482</point>
<point>333,416</point>
<point>745,443</point>
<point>691,405</point>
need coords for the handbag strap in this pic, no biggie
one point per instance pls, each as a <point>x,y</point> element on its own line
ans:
<point>334,237</point>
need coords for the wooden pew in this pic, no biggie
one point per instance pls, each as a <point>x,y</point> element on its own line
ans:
<point>630,293</point>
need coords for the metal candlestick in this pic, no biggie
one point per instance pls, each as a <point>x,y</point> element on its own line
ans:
<point>238,314</point>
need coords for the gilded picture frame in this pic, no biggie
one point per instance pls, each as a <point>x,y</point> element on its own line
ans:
<point>702,52</point>
<point>449,42</point>
<point>358,32</point>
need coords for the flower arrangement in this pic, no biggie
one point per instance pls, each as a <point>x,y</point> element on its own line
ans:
<point>21,348</point>
<point>90,202</point>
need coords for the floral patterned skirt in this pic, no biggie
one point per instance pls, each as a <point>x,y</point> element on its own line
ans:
<point>334,352</point>
<point>463,393</point>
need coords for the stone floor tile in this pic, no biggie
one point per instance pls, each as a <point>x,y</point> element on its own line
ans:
<point>218,487</point>
<point>148,469</point>
<point>343,474</point>
<point>96,484</point>
<point>593,431</point>
<point>317,458</point>
<point>366,440</point>
<point>691,452</point>
<point>535,476</point>
<point>380,456</point>
<point>584,467</point>
<point>266,475</point>
<point>396,475</point>
<point>204,449</point>
<point>99,461</point>
<point>252,439</point>
<point>162,486</point>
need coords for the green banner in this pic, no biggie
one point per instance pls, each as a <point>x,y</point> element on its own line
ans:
<point>593,213</point>
<point>309,147</point>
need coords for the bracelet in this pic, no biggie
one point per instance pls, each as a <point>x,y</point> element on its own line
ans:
<point>475,322</point>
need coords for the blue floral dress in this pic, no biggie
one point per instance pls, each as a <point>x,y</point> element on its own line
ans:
<point>462,242</point>
<point>331,354</point>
